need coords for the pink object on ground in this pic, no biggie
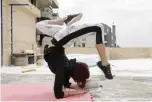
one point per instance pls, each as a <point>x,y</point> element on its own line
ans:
<point>35,92</point>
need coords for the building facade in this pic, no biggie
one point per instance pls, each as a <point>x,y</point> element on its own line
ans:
<point>18,26</point>
<point>48,12</point>
<point>89,41</point>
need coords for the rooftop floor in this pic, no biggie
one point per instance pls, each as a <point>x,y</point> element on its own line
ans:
<point>132,81</point>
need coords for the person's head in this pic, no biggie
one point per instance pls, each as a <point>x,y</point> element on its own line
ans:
<point>80,74</point>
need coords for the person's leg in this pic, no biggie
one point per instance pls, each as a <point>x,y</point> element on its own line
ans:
<point>99,45</point>
<point>102,54</point>
<point>103,64</point>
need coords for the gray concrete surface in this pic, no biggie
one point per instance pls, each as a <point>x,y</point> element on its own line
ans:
<point>122,89</point>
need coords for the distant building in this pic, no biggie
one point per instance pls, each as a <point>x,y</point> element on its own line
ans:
<point>89,41</point>
<point>46,8</point>
<point>113,36</point>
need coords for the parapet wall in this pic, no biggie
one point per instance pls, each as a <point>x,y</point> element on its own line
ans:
<point>115,53</point>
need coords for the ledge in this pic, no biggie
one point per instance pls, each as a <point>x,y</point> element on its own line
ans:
<point>55,4</point>
<point>43,3</point>
<point>31,8</point>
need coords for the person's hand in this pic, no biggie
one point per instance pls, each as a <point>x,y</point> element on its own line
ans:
<point>75,86</point>
<point>69,92</point>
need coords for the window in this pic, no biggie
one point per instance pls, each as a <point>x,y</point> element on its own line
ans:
<point>105,37</point>
<point>33,2</point>
<point>108,30</point>
<point>111,37</point>
<point>43,9</point>
<point>83,44</point>
<point>106,44</point>
<point>74,44</point>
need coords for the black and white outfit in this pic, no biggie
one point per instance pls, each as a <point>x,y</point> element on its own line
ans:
<point>57,38</point>
<point>56,35</point>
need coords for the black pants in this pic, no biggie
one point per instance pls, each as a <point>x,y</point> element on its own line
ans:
<point>78,33</point>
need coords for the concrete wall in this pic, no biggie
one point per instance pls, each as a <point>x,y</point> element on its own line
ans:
<point>150,52</point>
<point>80,50</point>
<point>6,31</point>
<point>116,53</point>
<point>24,32</point>
<point>126,53</point>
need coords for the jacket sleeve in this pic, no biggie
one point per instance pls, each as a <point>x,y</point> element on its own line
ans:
<point>59,82</point>
<point>71,64</point>
<point>67,84</point>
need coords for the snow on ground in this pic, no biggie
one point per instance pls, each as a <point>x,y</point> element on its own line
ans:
<point>127,67</point>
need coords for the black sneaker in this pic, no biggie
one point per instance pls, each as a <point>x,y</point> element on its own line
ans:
<point>106,70</point>
<point>70,17</point>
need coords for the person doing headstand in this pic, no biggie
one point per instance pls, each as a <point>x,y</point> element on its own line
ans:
<point>62,33</point>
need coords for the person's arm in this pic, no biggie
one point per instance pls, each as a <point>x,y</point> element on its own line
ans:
<point>67,84</point>
<point>59,80</point>
<point>58,84</point>
<point>59,21</point>
<point>75,86</point>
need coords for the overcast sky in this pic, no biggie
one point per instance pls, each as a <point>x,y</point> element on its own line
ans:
<point>133,18</point>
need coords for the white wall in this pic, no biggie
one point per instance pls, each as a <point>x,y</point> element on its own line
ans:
<point>91,41</point>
